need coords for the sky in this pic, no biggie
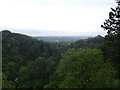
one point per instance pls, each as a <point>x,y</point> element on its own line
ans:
<point>55,17</point>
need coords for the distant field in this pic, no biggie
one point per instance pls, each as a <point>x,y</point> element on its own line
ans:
<point>61,38</point>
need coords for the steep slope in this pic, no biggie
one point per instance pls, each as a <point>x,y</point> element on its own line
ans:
<point>17,47</point>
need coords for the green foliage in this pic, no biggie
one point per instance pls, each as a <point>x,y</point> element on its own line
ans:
<point>24,77</point>
<point>84,68</point>
<point>95,42</point>
<point>31,63</point>
<point>37,72</point>
<point>17,46</point>
<point>19,54</point>
<point>10,70</point>
<point>7,83</point>
<point>116,83</point>
<point>112,26</point>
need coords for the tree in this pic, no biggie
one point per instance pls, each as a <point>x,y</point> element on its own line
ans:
<point>88,43</point>
<point>7,83</point>
<point>37,72</point>
<point>112,45</point>
<point>83,68</point>
<point>10,70</point>
<point>24,78</point>
<point>112,25</point>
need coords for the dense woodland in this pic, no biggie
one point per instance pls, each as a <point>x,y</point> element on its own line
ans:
<point>86,63</point>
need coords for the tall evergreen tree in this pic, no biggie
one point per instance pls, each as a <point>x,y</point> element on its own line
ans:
<point>112,26</point>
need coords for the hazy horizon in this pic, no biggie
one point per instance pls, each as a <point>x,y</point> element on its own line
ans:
<point>56,33</point>
<point>55,17</point>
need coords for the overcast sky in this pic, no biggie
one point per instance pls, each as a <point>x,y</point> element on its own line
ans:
<point>55,17</point>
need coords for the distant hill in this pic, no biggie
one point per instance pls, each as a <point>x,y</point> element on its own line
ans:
<point>17,47</point>
<point>88,43</point>
<point>61,38</point>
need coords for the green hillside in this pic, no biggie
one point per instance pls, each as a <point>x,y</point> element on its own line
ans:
<point>31,63</point>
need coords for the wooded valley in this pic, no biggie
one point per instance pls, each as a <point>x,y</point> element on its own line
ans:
<point>86,63</point>
<point>32,63</point>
